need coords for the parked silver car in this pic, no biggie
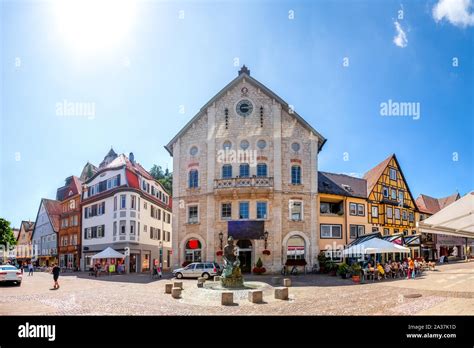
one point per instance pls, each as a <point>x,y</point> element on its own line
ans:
<point>9,273</point>
<point>198,269</point>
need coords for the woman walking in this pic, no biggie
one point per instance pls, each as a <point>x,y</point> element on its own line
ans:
<point>55,272</point>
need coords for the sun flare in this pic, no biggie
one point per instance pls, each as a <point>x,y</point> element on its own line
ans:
<point>93,26</point>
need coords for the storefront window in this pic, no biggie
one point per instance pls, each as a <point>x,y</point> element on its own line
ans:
<point>193,251</point>
<point>295,248</point>
<point>146,263</point>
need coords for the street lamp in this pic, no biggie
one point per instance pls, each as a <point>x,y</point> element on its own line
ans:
<point>161,253</point>
<point>221,237</point>
<point>265,236</point>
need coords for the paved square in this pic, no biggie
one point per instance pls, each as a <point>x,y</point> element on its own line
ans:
<point>447,291</point>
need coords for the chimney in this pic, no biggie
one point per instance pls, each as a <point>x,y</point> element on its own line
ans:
<point>131,158</point>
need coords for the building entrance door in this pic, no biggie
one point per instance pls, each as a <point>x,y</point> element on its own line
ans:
<point>133,263</point>
<point>245,255</point>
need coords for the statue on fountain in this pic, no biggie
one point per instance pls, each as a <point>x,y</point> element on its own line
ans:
<point>231,276</point>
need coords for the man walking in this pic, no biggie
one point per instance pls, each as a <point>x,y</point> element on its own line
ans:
<point>55,272</point>
<point>30,269</point>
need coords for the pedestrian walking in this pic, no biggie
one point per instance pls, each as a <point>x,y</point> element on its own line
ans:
<point>30,269</point>
<point>160,273</point>
<point>55,272</point>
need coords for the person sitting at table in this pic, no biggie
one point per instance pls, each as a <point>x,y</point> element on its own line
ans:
<point>381,270</point>
<point>388,269</point>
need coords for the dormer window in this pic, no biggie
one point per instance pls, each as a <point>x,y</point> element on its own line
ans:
<point>347,187</point>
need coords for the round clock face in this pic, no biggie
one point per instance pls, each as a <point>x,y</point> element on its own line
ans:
<point>244,107</point>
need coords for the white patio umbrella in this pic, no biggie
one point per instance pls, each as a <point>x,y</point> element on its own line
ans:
<point>108,253</point>
<point>375,246</point>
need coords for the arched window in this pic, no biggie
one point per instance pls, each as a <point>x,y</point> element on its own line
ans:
<point>244,171</point>
<point>296,248</point>
<point>262,169</point>
<point>192,252</point>
<point>193,178</point>
<point>227,171</point>
<point>296,175</point>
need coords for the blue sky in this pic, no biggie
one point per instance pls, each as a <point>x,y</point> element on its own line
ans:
<point>160,56</point>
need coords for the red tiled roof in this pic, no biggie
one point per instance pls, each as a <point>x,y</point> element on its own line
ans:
<point>73,185</point>
<point>431,205</point>
<point>373,175</point>
<point>53,208</point>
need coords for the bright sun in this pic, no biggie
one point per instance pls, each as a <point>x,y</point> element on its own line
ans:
<point>93,26</point>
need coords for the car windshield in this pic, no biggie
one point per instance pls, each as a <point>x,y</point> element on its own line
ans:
<point>7,268</point>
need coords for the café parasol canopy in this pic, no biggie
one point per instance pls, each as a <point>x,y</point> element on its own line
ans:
<point>456,219</point>
<point>375,246</point>
<point>108,253</point>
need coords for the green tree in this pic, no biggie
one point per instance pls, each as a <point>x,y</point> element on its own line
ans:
<point>6,233</point>
<point>164,177</point>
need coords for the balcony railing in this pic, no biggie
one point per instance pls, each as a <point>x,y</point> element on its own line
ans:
<point>243,182</point>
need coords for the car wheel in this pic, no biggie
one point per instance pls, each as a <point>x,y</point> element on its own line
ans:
<point>179,275</point>
<point>205,275</point>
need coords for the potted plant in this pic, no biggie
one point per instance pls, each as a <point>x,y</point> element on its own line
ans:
<point>331,266</point>
<point>343,270</point>
<point>185,263</point>
<point>219,253</point>
<point>322,259</point>
<point>356,271</point>
<point>259,269</point>
<point>266,252</point>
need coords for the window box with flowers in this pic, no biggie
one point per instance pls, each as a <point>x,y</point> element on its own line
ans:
<point>266,252</point>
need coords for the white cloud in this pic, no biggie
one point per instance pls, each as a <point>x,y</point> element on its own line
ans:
<point>401,38</point>
<point>457,12</point>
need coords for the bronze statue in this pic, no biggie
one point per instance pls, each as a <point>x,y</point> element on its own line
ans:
<point>231,275</point>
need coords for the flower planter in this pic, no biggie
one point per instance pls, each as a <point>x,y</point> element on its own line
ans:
<point>356,279</point>
<point>259,270</point>
<point>266,252</point>
<point>219,253</point>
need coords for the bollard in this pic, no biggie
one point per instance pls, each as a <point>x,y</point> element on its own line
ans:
<point>168,287</point>
<point>217,278</point>
<point>281,293</point>
<point>176,292</point>
<point>255,296</point>
<point>178,285</point>
<point>227,298</point>
<point>287,282</point>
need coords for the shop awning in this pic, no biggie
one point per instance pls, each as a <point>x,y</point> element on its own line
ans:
<point>374,246</point>
<point>456,219</point>
<point>108,253</point>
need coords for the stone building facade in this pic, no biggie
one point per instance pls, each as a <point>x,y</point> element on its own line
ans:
<point>247,158</point>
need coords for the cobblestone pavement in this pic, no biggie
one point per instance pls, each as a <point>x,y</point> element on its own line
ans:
<point>448,290</point>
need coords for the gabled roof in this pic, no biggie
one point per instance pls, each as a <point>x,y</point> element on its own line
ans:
<point>26,226</point>
<point>373,175</point>
<point>342,184</point>
<point>71,188</point>
<point>123,161</point>
<point>244,73</point>
<point>53,208</point>
<point>431,205</point>
<point>16,232</point>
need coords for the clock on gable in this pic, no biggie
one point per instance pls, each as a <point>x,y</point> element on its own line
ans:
<point>244,107</point>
